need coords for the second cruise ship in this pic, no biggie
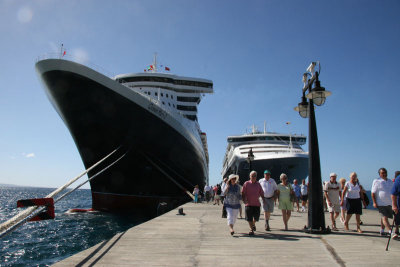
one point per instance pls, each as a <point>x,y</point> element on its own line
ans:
<point>259,151</point>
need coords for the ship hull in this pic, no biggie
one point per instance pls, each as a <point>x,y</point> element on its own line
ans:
<point>294,166</point>
<point>158,162</point>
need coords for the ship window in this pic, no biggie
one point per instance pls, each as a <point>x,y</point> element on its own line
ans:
<point>173,105</point>
<point>166,95</point>
<point>187,108</point>
<point>163,103</point>
<point>156,94</point>
<point>191,117</point>
<point>188,99</point>
<point>169,104</point>
<point>172,97</point>
<point>162,94</point>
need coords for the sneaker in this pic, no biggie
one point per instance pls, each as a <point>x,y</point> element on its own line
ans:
<point>395,235</point>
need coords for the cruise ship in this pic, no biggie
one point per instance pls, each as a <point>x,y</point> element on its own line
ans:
<point>149,117</point>
<point>259,151</point>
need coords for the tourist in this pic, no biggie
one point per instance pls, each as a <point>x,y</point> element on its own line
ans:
<point>284,192</point>
<point>332,191</point>
<point>351,192</point>
<point>324,198</point>
<point>343,209</point>
<point>232,200</point>
<point>240,207</point>
<point>304,194</point>
<point>223,187</point>
<point>196,194</point>
<point>269,187</point>
<point>207,192</point>
<point>217,192</point>
<point>395,196</point>
<point>381,198</point>
<point>251,192</point>
<point>297,193</point>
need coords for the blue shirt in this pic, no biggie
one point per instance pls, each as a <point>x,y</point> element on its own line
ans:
<point>396,189</point>
<point>297,190</point>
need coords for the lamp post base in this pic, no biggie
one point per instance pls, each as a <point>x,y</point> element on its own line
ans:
<point>319,231</point>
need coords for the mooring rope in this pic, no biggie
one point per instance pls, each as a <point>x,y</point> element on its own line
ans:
<point>169,177</point>
<point>16,221</point>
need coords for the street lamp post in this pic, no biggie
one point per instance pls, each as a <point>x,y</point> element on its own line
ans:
<point>317,96</point>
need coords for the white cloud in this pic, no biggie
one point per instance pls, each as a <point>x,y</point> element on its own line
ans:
<point>24,14</point>
<point>29,155</point>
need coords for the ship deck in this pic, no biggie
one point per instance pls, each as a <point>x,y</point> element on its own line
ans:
<point>201,238</point>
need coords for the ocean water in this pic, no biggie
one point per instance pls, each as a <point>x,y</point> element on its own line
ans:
<point>46,242</point>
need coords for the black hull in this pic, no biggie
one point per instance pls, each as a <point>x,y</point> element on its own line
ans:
<point>101,120</point>
<point>293,167</point>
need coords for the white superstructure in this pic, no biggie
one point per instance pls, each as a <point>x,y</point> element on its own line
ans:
<point>273,151</point>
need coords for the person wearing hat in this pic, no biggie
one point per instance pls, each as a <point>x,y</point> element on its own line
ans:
<point>332,190</point>
<point>232,200</point>
<point>270,190</point>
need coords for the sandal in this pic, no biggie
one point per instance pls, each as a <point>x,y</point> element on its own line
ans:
<point>359,230</point>
<point>251,232</point>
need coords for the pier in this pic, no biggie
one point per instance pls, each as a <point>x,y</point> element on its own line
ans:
<point>201,238</point>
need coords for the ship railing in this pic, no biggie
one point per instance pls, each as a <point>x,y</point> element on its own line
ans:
<point>278,152</point>
<point>75,59</point>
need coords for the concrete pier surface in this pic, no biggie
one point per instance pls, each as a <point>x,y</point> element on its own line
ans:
<point>202,238</point>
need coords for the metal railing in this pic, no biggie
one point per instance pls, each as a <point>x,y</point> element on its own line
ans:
<point>86,63</point>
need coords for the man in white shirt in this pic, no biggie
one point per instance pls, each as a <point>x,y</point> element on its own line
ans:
<point>332,192</point>
<point>270,190</point>
<point>381,196</point>
<point>207,192</point>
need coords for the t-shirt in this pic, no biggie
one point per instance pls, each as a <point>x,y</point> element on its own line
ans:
<point>252,192</point>
<point>396,190</point>
<point>353,191</point>
<point>333,191</point>
<point>303,190</point>
<point>382,190</point>
<point>269,187</point>
<point>223,187</point>
<point>297,190</point>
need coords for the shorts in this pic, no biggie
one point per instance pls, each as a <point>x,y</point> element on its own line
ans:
<point>386,211</point>
<point>268,204</point>
<point>304,197</point>
<point>353,206</point>
<point>252,213</point>
<point>335,207</point>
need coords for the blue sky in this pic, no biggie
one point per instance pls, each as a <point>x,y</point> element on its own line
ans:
<point>254,51</point>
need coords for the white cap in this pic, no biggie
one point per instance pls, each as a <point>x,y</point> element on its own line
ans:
<point>333,174</point>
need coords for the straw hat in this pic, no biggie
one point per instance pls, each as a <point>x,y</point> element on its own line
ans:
<point>233,176</point>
